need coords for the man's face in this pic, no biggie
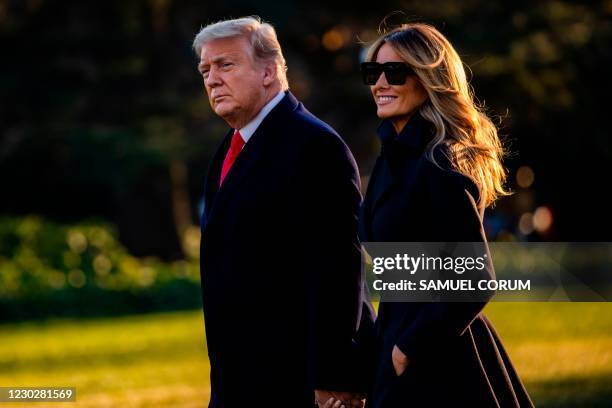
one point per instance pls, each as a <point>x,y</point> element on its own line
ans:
<point>233,81</point>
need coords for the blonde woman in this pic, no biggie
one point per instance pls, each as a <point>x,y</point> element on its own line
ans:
<point>439,167</point>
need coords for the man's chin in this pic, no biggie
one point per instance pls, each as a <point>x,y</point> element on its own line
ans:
<point>225,112</point>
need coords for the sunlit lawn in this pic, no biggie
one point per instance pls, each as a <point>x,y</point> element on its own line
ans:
<point>563,351</point>
<point>150,360</point>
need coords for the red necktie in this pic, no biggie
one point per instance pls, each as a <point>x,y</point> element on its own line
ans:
<point>232,154</point>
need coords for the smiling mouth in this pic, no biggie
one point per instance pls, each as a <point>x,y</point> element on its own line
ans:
<point>385,99</point>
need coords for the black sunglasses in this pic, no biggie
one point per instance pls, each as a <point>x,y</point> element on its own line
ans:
<point>395,72</point>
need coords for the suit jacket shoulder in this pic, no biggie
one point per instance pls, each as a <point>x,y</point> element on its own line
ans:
<point>318,142</point>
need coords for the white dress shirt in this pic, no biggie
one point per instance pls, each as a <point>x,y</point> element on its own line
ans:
<point>247,130</point>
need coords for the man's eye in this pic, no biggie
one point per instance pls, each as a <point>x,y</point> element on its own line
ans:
<point>205,74</point>
<point>227,64</point>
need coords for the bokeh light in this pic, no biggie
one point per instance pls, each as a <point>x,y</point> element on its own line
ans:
<point>542,219</point>
<point>336,38</point>
<point>525,176</point>
<point>526,224</point>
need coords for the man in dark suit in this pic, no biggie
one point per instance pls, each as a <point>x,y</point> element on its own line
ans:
<point>280,259</point>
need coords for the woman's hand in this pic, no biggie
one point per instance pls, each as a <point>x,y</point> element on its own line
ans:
<point>400,361</point>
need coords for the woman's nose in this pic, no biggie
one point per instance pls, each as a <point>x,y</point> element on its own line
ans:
<point>381,82</point>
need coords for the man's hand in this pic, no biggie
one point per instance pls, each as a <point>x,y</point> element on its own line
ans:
<point>333,403</point>
<point>337,399</point>
<point>400,361</point>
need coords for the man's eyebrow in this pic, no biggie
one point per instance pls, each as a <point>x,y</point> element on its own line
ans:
<point>218,59</point>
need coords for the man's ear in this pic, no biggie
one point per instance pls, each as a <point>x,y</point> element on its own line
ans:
<point>269,73</point>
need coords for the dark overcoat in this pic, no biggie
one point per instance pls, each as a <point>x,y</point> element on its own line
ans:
<point>280,265</point>
<point>456,358</point>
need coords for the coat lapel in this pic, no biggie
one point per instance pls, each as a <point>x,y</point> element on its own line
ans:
<point>389,165</point>
<point>382,183</point>
<point>211,186</point>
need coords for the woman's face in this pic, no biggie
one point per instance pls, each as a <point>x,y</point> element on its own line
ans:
<point>396,102</point>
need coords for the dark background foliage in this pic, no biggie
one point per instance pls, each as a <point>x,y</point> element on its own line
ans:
<point>103,113</point>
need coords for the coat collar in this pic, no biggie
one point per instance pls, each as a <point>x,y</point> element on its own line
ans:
<point>411,140</point>
<point>413,137</point>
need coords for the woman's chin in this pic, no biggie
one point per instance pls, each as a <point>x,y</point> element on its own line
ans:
<point>383,113</point>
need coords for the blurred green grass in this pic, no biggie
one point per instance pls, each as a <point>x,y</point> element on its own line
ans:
<point>563,351</point>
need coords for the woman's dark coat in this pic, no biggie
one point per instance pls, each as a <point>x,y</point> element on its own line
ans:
<point>456,358</point>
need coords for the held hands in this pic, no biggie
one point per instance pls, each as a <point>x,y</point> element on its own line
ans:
<point>337,399</point>
<point>400,361</point>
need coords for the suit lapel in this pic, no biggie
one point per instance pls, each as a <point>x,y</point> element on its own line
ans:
<point>211,185</point>
<point>250,154</point>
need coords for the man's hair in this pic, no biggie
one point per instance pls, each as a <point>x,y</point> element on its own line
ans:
<point>262,36</point>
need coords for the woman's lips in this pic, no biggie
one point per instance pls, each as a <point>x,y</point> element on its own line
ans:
<point>385,99</point>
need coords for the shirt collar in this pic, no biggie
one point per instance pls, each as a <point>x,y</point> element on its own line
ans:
<point>249,129</point>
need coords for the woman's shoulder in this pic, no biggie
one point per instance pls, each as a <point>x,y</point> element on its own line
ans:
<point>442,179</point>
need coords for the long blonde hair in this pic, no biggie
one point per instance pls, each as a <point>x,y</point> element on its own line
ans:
<point>475,149</point>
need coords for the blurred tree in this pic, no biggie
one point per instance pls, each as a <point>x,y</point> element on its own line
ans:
<point>103,112</point>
